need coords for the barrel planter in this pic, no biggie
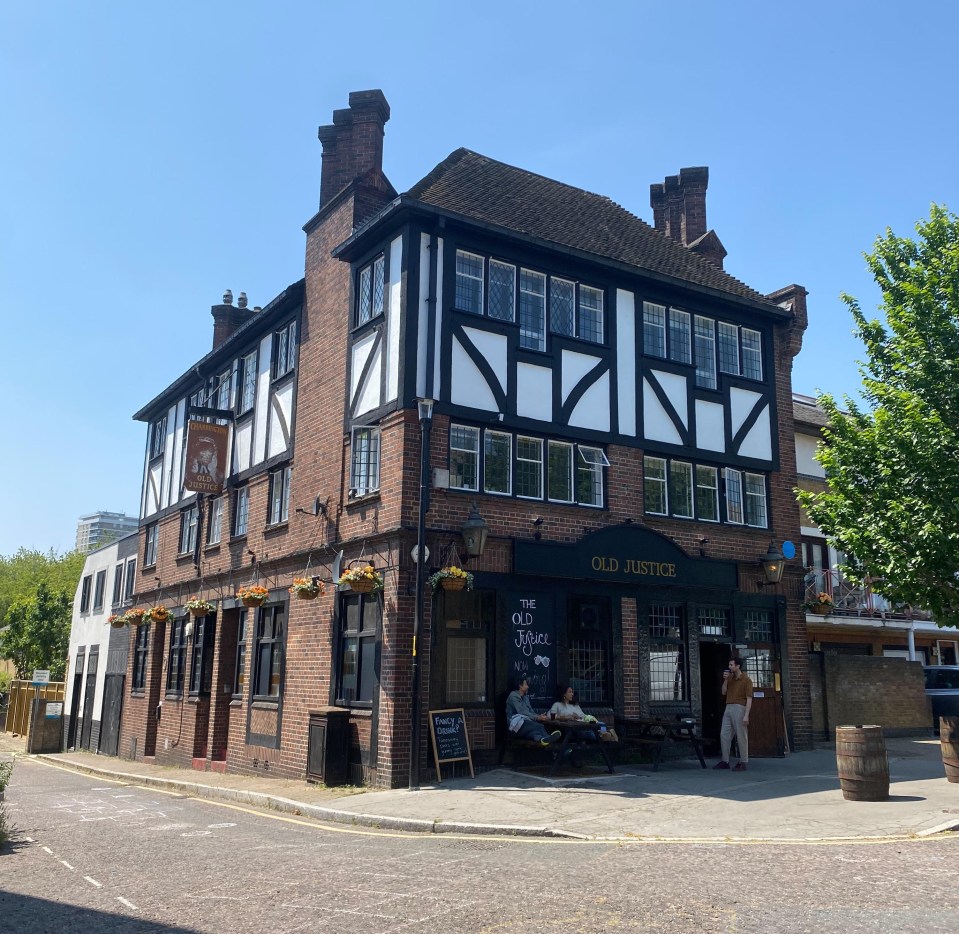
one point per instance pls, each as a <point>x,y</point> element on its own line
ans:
<point>949,741</point>
<point>862,763</point>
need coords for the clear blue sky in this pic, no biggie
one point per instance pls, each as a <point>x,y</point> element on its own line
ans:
<point>154,155</point>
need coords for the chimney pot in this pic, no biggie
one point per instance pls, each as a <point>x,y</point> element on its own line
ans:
<point>242,301</point>
<point>228,297</point>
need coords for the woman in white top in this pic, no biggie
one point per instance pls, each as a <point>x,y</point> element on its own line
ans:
<point>565,709</point>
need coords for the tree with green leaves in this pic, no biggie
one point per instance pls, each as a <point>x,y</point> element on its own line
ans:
<point>21,573</point>
<point>37,633</point>
<point>892,463</point>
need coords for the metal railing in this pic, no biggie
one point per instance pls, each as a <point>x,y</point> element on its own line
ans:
<point>851,599</point>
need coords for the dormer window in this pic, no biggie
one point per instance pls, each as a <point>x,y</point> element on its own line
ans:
<point>284,350</point>
<point>370,294</point>
<point>158,437</point>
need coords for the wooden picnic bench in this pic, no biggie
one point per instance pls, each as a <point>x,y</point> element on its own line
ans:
<point>660,734</point>
<point>573,744</point>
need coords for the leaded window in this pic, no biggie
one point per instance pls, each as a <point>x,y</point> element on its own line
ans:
<point>561,296</point>
<point>707,494</point>
<point>241,510</point>
<point>705,345</point>
<point>734,496</point>
<point>502,291</point>
<point>681,491</point>
<point>469,282</point>
<point>364,462</point>
<point>532,309</point>
<point>158,437</point>
<point>755,500</point>
<point>464,458</point>
<point>371,290</point>
<point>248,382</point>
<point>728,348</point>
<point>680,336</point>
<point>529,467</point>
<point>590,326</point>
<point>497,453</point>
<point>589,476</point>
<point>752,354</point>
<point>560,472</point>
<point>667,655</point>
<point>655,490</point>
<point>284,350</point>
<point>654,329</point>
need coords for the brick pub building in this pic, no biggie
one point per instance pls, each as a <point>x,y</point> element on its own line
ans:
<point>613,412</point>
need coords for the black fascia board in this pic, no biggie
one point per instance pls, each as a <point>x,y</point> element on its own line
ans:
<point>357,241</point>
<point>270,314</point>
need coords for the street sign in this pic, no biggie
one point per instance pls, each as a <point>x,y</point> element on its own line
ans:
<point>415,553</point>
<point>41,676</point>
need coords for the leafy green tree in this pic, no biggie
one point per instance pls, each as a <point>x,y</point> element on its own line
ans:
<point>892,464</point>
<point>21,573</point>
<point>37,633</point>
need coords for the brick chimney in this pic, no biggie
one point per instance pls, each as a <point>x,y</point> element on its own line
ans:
<point>353,143</point>
<point>229,318</point>
<point>679,211</point>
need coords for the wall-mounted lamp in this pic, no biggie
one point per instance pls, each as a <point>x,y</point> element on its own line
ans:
<point>475,530</point>
<point>772,563</point>
<point>703,542</point>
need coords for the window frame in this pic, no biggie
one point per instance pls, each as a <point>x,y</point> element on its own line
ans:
<point>704,351</point>
<point>86,592</point>
<point>371,303</point>
<point>240,518</point>
<point>214,523</point>
<point>589,469</point>
<point>278,508</point>
<point>130,579</point>
<point>681,641</point>
<point>141,652</point>
<point>677,496</point>
<point>532,311</point>
<point>366,636</point>
<point>365,445</point>
<point>654,333</point>
<point>663,480</point>
<point>176,656</point>
<point>269,645</point>
<point>526,439</point>
<point>466,283</point>
<point>284,350</point>
<point>201,661</point>
<point>246,390</point>
<point>491,437</point>
<point>99,589</point>
<point>512,290</point>
<point>242,646</point>
<point>463,455</point>
<point>158,438</point>
<point>715,494</point>
<point>570,472</point>
<point>752,496</point>
<point>189,523</point>
<point>117,584</point>
<point>680,336</point>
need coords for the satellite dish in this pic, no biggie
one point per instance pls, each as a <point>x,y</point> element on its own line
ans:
<point>789,550</point>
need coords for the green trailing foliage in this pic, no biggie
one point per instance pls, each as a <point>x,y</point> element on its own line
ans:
<point>892,463</point>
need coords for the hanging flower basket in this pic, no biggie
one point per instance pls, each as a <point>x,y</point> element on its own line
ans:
<point>821,605</point>
<point>304,588</point>
<point>196,607</point>
<point>451,578</point>
<point>117,620</point>
<point>158,614</point>
<point>362,580</point>
<point>254,595</point>
<point>137,616</point>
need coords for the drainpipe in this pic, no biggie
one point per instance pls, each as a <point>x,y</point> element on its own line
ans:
<point>911,637</point>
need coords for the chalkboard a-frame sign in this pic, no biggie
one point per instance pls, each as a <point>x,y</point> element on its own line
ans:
<point>450,740</point>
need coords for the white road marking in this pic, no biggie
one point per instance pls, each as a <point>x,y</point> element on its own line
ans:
<point>198,833</point>
<point>124,796</point>
<point>29,839</point>
<point>218,826</point>
<point>65,863</point>
<point>123,901</point>
<point>47,849</point>
<point>99,885</point>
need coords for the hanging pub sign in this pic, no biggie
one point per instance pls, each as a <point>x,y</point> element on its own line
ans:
<point>206,457</point>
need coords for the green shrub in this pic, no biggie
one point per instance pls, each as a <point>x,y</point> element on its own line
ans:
<point>5,769</point>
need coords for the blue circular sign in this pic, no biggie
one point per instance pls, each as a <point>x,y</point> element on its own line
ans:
<point>789,550</point>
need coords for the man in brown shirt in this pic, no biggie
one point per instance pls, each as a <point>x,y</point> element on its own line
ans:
<point>738,691</point>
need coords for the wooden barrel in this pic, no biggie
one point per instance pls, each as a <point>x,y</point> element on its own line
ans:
<point>949,741</point>
<point>862,763</point>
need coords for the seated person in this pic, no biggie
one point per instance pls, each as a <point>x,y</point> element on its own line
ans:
<point>568,709</point>
<point>523,721</point>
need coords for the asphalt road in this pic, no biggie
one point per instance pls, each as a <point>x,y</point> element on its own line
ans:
<point>94,856</point>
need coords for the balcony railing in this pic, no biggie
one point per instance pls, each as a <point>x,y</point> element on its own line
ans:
<point>851,599</point>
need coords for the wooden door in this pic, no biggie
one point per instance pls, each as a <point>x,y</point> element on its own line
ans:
<point>88,695</point>
<point>767,729</point>
<point>75,715</point>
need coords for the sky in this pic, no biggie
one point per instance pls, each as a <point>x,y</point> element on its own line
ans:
<point>154,155</point>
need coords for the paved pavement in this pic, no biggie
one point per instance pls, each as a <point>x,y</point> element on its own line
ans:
<point>795,799</point>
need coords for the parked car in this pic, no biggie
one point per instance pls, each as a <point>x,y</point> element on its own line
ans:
<point>942,689</point>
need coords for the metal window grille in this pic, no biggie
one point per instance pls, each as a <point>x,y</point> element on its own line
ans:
<point>654,329</point>
<point>667,672</point>
<point>714,621</point>
<point>561,306</point>
<point>665,622</point>
<point>590,325</point>
<point>759,666</point>
<point>588,672</point>
<point>759,626</point>
<point>502,290</point>
<point>466,670</point>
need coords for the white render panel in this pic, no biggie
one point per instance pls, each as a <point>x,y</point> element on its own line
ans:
<point>174,454</point>
<point>467,385</point>
<point>758,441</point>
<point>422,329</point>
<point>437,378</point>
<point>493,347</point>
<point>741,403</point>
<point>365,396</point>
<point>153,486</point>
<point>592,410</point>
<point>575,367</point>
<point>806,463</point>
<point>657,425</point>
<point>626,360</point>
<point>262,412</point>
<point>534,392</point>
<point>395,304</point>
<point>281,413</point>
<point>676,388</point>
<point>710,426</point>
<point>243,440</point>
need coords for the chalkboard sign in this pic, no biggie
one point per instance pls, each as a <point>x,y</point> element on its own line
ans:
<point>450,740</point>
<point>531,647</point>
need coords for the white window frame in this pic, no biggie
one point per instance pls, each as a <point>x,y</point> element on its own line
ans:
<point>758,498</point>
<point>713,488</point>
<point>284,349</point>
<point>555,281</point>
<point>728,336</point>
<point>753,352</point>
<point>530,339</point>
<point>680,323</point>
<point>661,483</point>
<point>499,264</point>
<point>247,395</point>
<point>689,506</point>
<point>241,511</point>
<point>223,394</point>
<point>189,519</point>
<point>599,310</point>
<point>570,478</point>
<point>476,282</point>
<point>129,579</point>
<point>735,504</point>
<point>365,460</point>
<point>158,437</point>
<point>522,440</point>
<point>704,352</point>
<point>214,526</point>
<point>654,329</point>
<point>151,540</point>
<point>592,461</point>
<point>490,436</point>
<point>279,496</point>
<point>465,454</point>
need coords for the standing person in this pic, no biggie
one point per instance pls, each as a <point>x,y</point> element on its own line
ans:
<point>738,691</point>
<point>523,720</point>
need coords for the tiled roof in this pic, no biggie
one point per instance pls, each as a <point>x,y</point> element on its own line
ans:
<point>807,412</point>
<point>492,192</point>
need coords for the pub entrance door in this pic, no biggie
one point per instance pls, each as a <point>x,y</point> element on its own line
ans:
<point>767,727</point>
<point>713,659</point>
